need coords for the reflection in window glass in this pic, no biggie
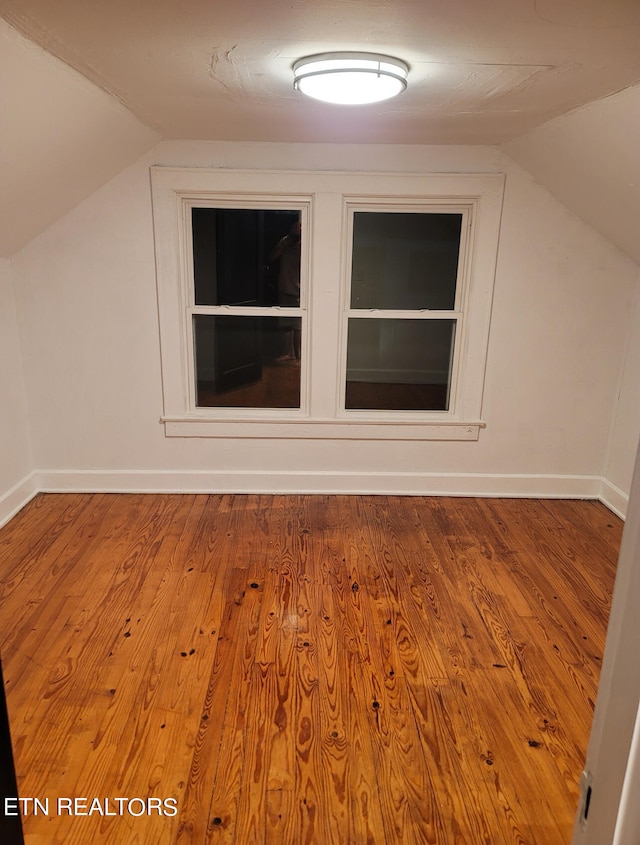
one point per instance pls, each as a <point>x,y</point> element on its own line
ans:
<point>240,362</point>
<point>399,364</point>
<point>246,256</point>
<point>405,261</point>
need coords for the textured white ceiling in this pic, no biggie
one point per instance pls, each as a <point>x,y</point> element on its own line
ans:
<point>481,72</point>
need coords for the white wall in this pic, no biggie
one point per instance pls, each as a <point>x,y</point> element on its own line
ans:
<point>625,428</point>
<point>86,294</point>
<point>590,160</point>
<point>16,462</point>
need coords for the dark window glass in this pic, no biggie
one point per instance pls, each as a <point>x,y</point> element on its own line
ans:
<point>247,362</point>
<point>234,260</point>
<point>399,364</point>
<point>405,261</point>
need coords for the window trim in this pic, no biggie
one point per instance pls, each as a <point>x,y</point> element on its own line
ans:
<point>326,195</point>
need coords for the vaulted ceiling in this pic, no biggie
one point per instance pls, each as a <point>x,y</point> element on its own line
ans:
<point>481,72</point>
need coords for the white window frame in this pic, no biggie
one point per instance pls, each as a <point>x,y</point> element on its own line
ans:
<point>297,203</point>
<point>326,199</point>
<point>354,205</point>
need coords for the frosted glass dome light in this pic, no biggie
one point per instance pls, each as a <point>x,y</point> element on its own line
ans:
<point>350,78</point>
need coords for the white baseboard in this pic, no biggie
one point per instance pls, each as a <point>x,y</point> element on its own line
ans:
<point>325,483</point>
<point>614,498</point>
<point>318,482</point>
<point>17,497</point>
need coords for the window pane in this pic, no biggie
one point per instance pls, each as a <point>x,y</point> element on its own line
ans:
<point>399,365</point>
<point>241,257</point>
<point>247,362</point>
<point>405,261</point>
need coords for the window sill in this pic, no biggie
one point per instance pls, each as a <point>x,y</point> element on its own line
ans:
<point>305,429</point>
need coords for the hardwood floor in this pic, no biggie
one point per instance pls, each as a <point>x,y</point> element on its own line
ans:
<point>303,669</point>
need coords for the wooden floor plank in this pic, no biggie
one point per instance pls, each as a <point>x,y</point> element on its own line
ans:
<point>348,758</point>
<point>305,669</point>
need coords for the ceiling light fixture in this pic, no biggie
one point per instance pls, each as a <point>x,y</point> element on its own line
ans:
<point>350,78</point>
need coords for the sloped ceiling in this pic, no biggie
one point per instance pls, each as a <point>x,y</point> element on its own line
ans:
<point>128,74</point>
<point>590,160</point>
<point>61,137</point>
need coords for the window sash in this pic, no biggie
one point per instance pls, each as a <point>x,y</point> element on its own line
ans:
<point>191,309</point>
<point>390,364</point>
<point>417,206</point>
<point>450,412</point>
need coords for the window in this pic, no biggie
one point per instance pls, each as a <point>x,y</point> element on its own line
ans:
<point>324,305</point>
<point>245,307</point>
<point>404,312</point>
